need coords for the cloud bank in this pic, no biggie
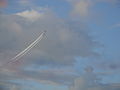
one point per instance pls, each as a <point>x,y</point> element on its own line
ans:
<point>65,40</point>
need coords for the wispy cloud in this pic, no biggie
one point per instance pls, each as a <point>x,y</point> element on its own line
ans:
<point>116,25</point>
<point>90,81</point>
<point>25,2</point>
<point>81,7</point>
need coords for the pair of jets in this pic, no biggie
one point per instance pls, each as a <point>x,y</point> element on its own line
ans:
<point>26,50</point>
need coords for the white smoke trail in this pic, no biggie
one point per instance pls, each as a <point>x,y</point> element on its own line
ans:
<point>21,54</point>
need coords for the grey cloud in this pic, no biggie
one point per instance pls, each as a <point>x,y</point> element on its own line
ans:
<point>55,77</point>
<point>64,40</point>
<point>91,81</point>
<point>63,43</point>
<point>52,77</point>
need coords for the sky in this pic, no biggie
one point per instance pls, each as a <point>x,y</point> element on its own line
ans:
<point>79,52</point>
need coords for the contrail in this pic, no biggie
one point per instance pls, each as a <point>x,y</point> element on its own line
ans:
<point>22,53</point>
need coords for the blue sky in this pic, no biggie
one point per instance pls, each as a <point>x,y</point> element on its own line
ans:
<point>82,38</point>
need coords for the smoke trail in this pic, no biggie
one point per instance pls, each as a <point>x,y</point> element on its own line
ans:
<point>21,54</point>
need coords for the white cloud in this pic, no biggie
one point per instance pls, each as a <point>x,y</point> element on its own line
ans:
<point>31,15</point>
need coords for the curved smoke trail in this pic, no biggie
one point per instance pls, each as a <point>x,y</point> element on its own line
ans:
<point>22,53</point>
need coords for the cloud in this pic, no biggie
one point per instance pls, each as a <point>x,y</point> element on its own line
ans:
<point>115,26</point>
<point>25,3</point>
<point>108,1</point>
<point>81,7</point>
<point>65,40</point>
<point>23,78</point>
<point>46,76</point>
<point>30,15</point>
<point>90,81</point>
